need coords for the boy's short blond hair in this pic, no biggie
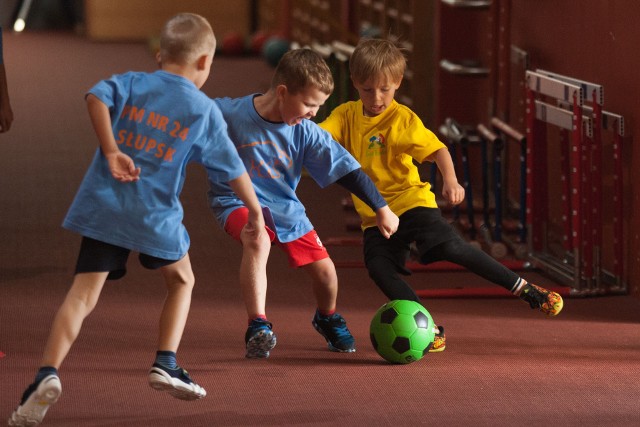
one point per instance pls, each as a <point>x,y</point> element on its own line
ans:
<point>185,38</point>
<point>373,58</point>
<point>301,68</point>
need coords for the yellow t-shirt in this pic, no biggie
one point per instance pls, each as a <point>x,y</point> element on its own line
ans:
<point>386,147</point>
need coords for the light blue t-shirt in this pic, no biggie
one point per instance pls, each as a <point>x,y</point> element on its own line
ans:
<point>274,155</point>
<point>163,122</point>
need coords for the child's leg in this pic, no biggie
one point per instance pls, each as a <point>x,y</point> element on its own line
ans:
<point>480,263</point>
<point>477,261</point>
<point>45,390</point>
<point>259,337</point>
<point>167,376</point>
<point>253,273</point>
<point>324,282</point>
<point>81,299</point>
<point>384,259</point>
<point>180,281</point>
<point>326,321</point>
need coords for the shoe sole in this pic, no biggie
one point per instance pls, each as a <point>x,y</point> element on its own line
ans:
<point>161,381</point>
<point>554,305</point>
<point>329,344</point>
<point>33,411</point>
<point>260,344</point>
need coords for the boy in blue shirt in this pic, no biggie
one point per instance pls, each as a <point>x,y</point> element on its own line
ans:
<point>276,140</point>
<point>149,126</point>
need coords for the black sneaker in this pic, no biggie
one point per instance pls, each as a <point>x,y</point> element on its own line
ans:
<point>259,339</point>
<point>176,382</point>
<point>334,329</point>
<point>36,401</point>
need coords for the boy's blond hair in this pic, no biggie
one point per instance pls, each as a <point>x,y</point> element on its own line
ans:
<point>373,58</point>
<point>185,38</point>
<point>301,68</point>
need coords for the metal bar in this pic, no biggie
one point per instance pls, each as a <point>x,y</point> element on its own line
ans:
<point>553,87</point>
<point>594,89</point>
<point>464,70</point>
<point>468,3</point>
<point>507,130</point>
<point>560,117</point>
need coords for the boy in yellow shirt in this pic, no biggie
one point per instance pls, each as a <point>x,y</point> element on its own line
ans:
<point>386,137</point>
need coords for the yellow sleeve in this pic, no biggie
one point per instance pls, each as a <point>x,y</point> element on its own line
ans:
<point>334,124</point>
<point>418,141</point>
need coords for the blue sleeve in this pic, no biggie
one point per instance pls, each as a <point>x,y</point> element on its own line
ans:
<point>360,185</point>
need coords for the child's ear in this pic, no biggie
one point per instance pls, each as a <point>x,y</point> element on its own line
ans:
<point>202,62</point>
<point>281,91</point>
<point>159,59</point>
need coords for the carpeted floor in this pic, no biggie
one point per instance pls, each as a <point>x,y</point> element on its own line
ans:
<point>504,365</point>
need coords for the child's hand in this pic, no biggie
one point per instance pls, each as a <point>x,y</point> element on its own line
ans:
<point>122,167</point>
<point>387,221</point>
<point>255,226</point>
<point>453,192</point>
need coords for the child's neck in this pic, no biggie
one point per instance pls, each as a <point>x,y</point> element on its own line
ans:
<point>187,72</point>
<point>267,106</point>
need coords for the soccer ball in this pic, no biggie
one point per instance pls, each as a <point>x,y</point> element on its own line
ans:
<point>402,331</point>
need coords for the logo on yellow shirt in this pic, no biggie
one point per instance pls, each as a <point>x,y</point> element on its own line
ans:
<point>376,145</point>
<point>376,141</point>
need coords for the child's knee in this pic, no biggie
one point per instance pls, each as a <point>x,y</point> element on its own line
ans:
<point>260,245</point>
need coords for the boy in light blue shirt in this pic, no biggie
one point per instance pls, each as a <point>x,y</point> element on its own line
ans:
<point>149,126</point>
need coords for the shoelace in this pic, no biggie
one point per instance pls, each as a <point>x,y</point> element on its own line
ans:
<point>535,298</point>
<point>339,327</point>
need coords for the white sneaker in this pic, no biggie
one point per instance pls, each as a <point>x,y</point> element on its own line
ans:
<point>176,382</point>
<point>33,409</point>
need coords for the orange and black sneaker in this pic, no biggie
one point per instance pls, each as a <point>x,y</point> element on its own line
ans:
<point>439,342</point>
<point>548,302</point>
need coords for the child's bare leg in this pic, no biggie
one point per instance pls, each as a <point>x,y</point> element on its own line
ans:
<point>180,280</point>
<point>166,375</point>
<point>45,390</point>
<point>259,338</point>
<point>253,273</point>
<point>326,321</point>
<point>80,301</point>
<point>324,281</point>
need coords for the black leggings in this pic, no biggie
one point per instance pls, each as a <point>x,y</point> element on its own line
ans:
<point>436,241</point>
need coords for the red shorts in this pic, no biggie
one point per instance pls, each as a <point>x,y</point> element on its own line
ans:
<point>300,252</point>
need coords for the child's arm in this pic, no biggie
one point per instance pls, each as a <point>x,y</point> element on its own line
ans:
<point>360,185</point>
<point>452,191</point>
<point>243,188</point>
<point>121,166</point>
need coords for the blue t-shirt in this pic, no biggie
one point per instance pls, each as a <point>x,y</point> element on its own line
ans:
<point>163,122</point>
<point>274,155</point>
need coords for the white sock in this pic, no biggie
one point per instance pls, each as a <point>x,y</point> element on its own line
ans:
<point>517,288</point>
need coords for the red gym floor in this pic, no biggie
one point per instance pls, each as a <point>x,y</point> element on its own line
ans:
<point>504,365</point>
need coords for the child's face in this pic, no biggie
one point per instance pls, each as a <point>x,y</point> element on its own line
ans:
<point>299,106</point>
<point>376,94</point>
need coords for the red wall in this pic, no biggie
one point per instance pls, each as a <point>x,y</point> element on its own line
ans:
<point>596,41</point>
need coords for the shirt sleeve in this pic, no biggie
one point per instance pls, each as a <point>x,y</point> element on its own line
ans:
<point>360,185</point>
<point>325,159</point>
<point>418,141</point>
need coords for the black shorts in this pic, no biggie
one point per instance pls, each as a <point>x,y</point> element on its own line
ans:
<point>96,256</point>
<point>424,226</point>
